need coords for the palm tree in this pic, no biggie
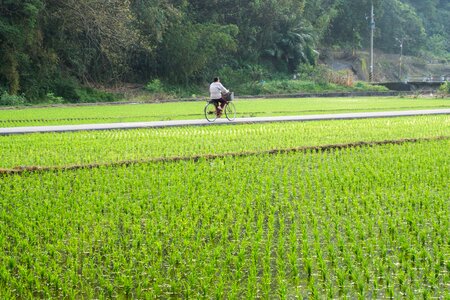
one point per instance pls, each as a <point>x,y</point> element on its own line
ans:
<point>293,43</point>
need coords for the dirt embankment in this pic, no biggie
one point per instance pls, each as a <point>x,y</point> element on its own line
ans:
<point>387,67</point>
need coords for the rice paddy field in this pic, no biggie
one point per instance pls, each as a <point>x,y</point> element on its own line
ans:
<point>355,209</point>
<point>65,115</point>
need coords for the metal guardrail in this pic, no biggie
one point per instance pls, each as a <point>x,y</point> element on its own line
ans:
<point>428,78</point>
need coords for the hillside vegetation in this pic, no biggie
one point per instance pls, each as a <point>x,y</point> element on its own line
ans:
<point>58,51</point>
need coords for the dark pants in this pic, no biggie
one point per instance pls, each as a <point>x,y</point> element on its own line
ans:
<point>219,102</point>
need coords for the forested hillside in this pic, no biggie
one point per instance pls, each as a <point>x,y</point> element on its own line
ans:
<point>50,48</point>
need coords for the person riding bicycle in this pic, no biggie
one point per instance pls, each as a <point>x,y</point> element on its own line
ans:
<point>216,89</point>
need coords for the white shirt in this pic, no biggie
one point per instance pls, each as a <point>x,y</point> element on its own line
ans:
<point>216,89</point>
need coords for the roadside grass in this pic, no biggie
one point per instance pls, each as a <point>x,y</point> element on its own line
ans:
<point>65,115</point>
<point>279,107</point>
<point>273,87</point>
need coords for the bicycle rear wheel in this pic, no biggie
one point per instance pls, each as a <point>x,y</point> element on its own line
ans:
<point>210,112</point>
<point>230,111</point>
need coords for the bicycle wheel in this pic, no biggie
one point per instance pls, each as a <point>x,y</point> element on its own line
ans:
<point>210,112</point>
<point>230,111</point>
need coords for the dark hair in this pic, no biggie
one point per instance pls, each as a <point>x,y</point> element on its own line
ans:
<point>216,79</point>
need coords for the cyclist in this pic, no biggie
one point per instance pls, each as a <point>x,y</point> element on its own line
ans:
<point>216,89</point>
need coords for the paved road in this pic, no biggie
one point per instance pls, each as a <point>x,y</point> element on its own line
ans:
<point>134,125</point>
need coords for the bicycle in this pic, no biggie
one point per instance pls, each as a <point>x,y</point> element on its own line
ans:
<point>212,113</point>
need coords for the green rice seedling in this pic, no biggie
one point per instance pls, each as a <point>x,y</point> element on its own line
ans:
<point>266,280</point>
<point>41,116</point>
<point>361,288</point>
<point>87,149</point>
<point>154,230</point>
<point>282,286</point>
<point>323,269</point>
<point>308,268</point>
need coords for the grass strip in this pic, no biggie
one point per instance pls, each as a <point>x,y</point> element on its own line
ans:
<point>194,110</point>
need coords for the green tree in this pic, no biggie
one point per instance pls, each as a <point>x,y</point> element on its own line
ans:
<point>349,25</point>
<point>399,21</point>
<point>393,18</point>
<point>92,38</point>
<point>292,43</point>
<point>53,45</point>
<point>192,51</point>
<point>153,19</point>
<point>320,14</point>
<point>267,28</point>
<point>20,40</point>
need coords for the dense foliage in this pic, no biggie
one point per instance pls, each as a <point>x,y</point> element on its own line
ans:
<point>49,47</point>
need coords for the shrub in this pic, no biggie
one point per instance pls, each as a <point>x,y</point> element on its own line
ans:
<point>51,98</point>
<point>155,86</point>
<point>87,95</point>
<point>365,86</point>
<point>324,75</point>
<point>272,87</point>
<point>11,100</point>
<point>164,90</point>
<point>445,88</point>
<point>248,75</point>
<point>67,89</point>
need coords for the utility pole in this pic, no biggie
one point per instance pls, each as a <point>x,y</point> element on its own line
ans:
<point>372,29</point>
<point>401,57</point>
